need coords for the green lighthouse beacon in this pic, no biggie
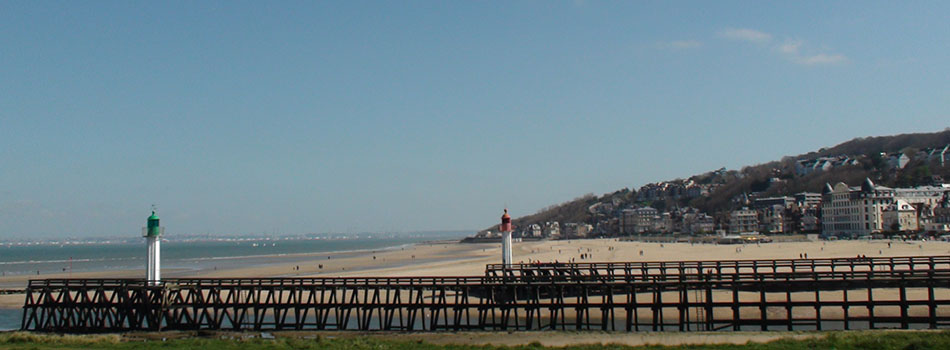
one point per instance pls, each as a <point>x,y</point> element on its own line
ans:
<point>152,225</point>
<point>152,233</point>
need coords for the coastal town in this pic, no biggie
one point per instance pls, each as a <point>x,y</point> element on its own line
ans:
<point>835,210</point>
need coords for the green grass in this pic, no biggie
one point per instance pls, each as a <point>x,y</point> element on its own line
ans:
<point>870,340</point>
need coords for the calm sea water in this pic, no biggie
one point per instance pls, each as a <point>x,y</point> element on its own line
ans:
<point>20,260</point>
<point>10,319</point>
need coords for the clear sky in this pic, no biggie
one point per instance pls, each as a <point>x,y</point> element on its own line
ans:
<point>349,116</point>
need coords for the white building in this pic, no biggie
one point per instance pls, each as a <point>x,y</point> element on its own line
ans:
<point>743,220</point>
<point>808,166</point>
<point>808,199</point>
<point>698,223</point>
<point>937,154</point>
<point>664,223</point>
<point>896,160</point>
<point>941,217</point>
<point>859,210</point>
<point>940,155</point>
<point>810,223</point>
<point>639,220</point>
<point>900,216</point>
<point>772,219</point>
<point>552,229</point>
<point>805,167</point>
<point>534,230</point>
<point>577,230</point>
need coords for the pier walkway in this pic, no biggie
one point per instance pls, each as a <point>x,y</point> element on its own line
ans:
<point>802,294</point>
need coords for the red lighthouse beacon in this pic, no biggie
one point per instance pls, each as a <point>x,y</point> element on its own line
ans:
<point>505,229</point>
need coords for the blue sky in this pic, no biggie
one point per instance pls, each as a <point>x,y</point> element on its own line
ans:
<point>349,116</point>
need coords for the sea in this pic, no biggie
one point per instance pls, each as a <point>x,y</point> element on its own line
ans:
<point>10,319</point>
<point>20,259</point>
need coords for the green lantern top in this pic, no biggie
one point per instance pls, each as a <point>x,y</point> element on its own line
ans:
<point>153,230</point>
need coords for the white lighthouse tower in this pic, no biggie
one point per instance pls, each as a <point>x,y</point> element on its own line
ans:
<point>153,238</point>
<point>505,229</point>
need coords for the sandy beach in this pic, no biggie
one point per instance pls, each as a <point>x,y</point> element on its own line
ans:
<point>455,259</point>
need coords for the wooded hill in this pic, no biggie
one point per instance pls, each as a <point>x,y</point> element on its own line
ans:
<point>777,178</point>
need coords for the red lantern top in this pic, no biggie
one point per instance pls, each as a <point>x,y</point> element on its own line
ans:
<point>505,222</point>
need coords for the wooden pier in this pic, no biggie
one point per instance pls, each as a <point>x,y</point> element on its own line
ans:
<point>721,266</point>
<point>802,294</point>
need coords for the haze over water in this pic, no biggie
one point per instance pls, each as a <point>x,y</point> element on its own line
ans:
<point>48,258</point>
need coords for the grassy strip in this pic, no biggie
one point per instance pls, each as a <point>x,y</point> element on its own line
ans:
<point>870,340</point>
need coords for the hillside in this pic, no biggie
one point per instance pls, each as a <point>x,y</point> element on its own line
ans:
<point>878,144</point>
<point>717,192</point>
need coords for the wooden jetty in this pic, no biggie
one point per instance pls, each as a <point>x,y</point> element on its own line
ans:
<point>721,266</point>
<point>799,294</point>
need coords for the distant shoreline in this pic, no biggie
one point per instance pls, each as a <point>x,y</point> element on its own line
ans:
<point>183,259</point>
<point>224,238</point>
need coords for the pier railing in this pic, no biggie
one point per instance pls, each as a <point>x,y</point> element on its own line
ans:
<point>721,266</point>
